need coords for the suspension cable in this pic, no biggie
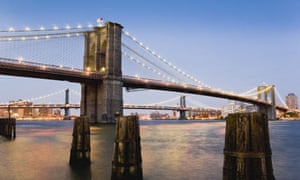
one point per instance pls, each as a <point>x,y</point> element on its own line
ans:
<point>280,98</point>
<point>148,67</point>
<point>152,63</point>
<point>201,104</point>
<point>249,91</point>
<point>46,96</point>
<point>164,102</point>
<point>43,29</point>
<point>259,92</point>
<point>39,36</point>
<point>164,60</point>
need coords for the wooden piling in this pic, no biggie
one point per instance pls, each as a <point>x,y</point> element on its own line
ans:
<point>81,146</point>
<point>127,158</point>
<point>8,127</point>
<point>247,152</point>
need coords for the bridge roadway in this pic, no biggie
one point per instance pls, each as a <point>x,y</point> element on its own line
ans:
<point>126,106</point>
<point>43,71</point>
<point>61,106</point>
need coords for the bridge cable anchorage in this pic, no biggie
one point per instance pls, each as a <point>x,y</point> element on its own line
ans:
<point>148,67</point>
<point>280,98</point>
<point>152,63</point>
<point>168,63</point>
<point>201,104</point>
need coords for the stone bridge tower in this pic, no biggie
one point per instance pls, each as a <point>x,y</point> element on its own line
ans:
<point>268,96</point>
<point>101,101</point>
<point>182,113</point>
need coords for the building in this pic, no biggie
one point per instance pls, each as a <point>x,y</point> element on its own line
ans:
<point>291,101</point>
<point>235,107</point>
<point>202,113</point>
<point>23,111</point>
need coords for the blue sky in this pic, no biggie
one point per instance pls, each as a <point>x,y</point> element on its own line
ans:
<point>234,45</point>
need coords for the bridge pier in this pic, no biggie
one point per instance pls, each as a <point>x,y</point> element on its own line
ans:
<point>67,109</point>
<point>182,113</point>
<point>101,100</point>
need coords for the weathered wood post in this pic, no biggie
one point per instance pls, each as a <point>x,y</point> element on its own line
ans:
<point>14,127</point>
<point>81,146</point>
<point>247,152</point>
<point>8,127</point>
<point>127,158</point>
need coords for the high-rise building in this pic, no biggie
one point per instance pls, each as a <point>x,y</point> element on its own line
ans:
<point>291,101</point>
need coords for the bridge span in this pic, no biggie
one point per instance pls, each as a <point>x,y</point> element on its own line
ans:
<point>43,71</point>
<point>102,80</point>
<point>77,106</point>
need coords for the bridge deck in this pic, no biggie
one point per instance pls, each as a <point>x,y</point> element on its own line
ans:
<point>43,71</point>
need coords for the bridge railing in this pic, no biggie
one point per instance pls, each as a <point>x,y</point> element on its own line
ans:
<point>15,61</point>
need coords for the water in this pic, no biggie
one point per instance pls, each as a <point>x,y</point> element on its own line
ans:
<point>171,150</point>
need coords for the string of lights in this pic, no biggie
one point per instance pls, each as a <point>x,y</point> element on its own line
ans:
<point>148,67</point>
<point>165,101</point>
<point>258,92</point>
<point>200,104</point>
<point>43,29</point>
<point>151,62</point>
<point>40,36</point>
<point>141,44</point>
<point>280,98</point>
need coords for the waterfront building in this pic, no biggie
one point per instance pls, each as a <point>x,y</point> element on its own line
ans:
<point>291,101</point>
<point>25,109</point>
<point>21,109</point>
<point>235,107</point>
<point>204,114</point>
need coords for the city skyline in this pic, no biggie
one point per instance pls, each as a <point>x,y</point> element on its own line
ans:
<point>233,46</point>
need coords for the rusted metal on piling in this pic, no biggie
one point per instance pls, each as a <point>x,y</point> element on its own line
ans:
<point>81,146</point>
<point>247,152</point>
<point>8,127</point>
<point>127,158</point>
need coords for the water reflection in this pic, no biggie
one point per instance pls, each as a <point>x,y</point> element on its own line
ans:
<point>81,172</point>
<point>170,149</point>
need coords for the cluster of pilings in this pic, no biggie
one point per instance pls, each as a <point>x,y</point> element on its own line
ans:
<point>127,158</point>
<point>247,151</point>
<point>8,127</point>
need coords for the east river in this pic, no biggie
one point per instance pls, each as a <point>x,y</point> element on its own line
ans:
<point>171,150</point>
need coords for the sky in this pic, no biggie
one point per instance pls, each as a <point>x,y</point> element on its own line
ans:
<point>234,45</point>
